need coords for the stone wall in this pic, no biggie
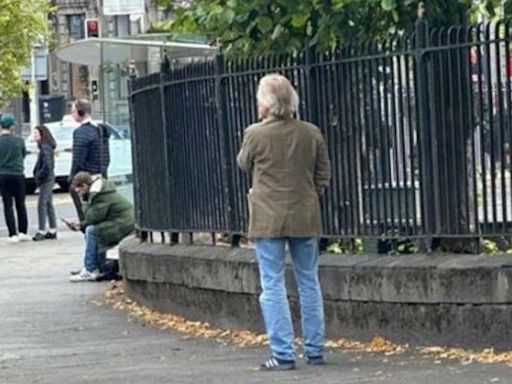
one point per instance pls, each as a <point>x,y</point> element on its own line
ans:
<point>448,299</point>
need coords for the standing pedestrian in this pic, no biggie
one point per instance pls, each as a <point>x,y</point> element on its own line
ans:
<point>44,177</point>
<point>290,169</point>
<point>90,148</point>
<point>12,180</point>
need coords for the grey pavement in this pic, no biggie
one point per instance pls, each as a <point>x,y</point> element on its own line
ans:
<point>53,331</point>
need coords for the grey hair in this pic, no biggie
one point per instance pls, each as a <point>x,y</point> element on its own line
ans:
<point>276,93</point>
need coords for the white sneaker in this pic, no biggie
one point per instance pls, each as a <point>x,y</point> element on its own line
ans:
<point>85,275</point>
<point>14,239</point>
<point>24,237</point>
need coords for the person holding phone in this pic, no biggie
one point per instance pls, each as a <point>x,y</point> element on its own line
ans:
<point>108,219</point>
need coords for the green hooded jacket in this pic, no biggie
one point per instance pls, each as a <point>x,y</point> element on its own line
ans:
<point>110,213</point>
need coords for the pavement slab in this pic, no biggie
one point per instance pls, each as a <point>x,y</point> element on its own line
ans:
<point>54,331</point>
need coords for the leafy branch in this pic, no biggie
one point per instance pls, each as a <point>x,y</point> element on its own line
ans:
<point>279,26</point>
<point>22,24</point>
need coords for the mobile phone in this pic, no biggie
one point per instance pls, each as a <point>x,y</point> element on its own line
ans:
<point>68,224</point>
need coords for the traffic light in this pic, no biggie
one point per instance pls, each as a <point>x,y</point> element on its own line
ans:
<point>92,28</point>
<point>94,90</point>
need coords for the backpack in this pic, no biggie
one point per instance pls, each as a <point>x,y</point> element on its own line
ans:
<point>104,132</point>
<point>109,271</point>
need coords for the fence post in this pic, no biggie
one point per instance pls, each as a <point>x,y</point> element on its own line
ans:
<point>312,104</point>
<point>168,176</point>
<point>227,152</point>
<point>141,235</point>
<point>425,131</point>
<point>311,93</point>
<point>174,238</point>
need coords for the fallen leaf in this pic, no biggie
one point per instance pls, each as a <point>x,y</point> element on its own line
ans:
<point>115,296</point>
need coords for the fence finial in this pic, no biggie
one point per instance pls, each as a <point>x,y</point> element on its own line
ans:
<point>421,10</point>
<point>132,69</point>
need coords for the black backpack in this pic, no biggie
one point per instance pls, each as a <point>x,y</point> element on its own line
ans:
<point>104,133</point>
<point>109,271</point>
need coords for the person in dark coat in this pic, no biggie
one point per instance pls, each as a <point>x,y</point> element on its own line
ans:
<point>12,180</point>
<point>90,147</point>
<point>44,177</point>
<point>109,218</point>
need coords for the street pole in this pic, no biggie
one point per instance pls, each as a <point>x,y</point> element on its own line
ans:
<point>34,93</point>
<point>102,84</point>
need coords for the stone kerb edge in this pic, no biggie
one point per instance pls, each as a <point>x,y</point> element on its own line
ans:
<point>422,279</point>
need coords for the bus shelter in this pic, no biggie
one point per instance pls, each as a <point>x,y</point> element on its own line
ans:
<point>112,60</point>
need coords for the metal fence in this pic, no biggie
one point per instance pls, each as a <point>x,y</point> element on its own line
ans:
<point>418,131</point>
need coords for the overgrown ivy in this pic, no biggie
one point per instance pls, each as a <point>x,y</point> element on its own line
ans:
<point>277,26</point>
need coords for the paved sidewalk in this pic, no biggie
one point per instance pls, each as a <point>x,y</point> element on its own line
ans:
<point>53,331</point>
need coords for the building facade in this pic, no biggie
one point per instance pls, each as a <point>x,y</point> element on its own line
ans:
<point>67,81</point>
<point>73,80</point>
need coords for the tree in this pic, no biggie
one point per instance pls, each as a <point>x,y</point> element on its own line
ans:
<point>262,26</point>
<point>22,24</point>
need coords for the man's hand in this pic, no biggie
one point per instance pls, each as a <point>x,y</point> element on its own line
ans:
<point>72,224</point>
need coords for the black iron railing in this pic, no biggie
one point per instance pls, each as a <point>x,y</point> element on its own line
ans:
<point>418,130</point>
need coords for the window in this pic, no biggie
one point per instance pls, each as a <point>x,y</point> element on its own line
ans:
<point>76,26</point>
<point>122,25</point>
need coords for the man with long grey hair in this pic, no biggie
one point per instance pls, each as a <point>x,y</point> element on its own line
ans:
<point>290,169</point>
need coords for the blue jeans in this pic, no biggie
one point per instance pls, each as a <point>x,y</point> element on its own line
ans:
<point>274,300</point>
<point>93,258</point>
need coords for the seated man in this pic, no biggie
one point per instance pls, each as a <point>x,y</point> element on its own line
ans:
<point>108,219</point>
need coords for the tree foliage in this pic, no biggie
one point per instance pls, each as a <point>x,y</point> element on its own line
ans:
<point>22,23</point>
<point>261,26</point>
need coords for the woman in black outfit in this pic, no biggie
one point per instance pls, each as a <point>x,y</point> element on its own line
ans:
<point>44,177</point>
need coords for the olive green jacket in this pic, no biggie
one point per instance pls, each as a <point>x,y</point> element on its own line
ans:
<point>290,169</point>
<point>110,213</point>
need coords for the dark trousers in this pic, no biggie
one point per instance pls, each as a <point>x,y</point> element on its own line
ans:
<point>12,187</point>
<point>45,208</point>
